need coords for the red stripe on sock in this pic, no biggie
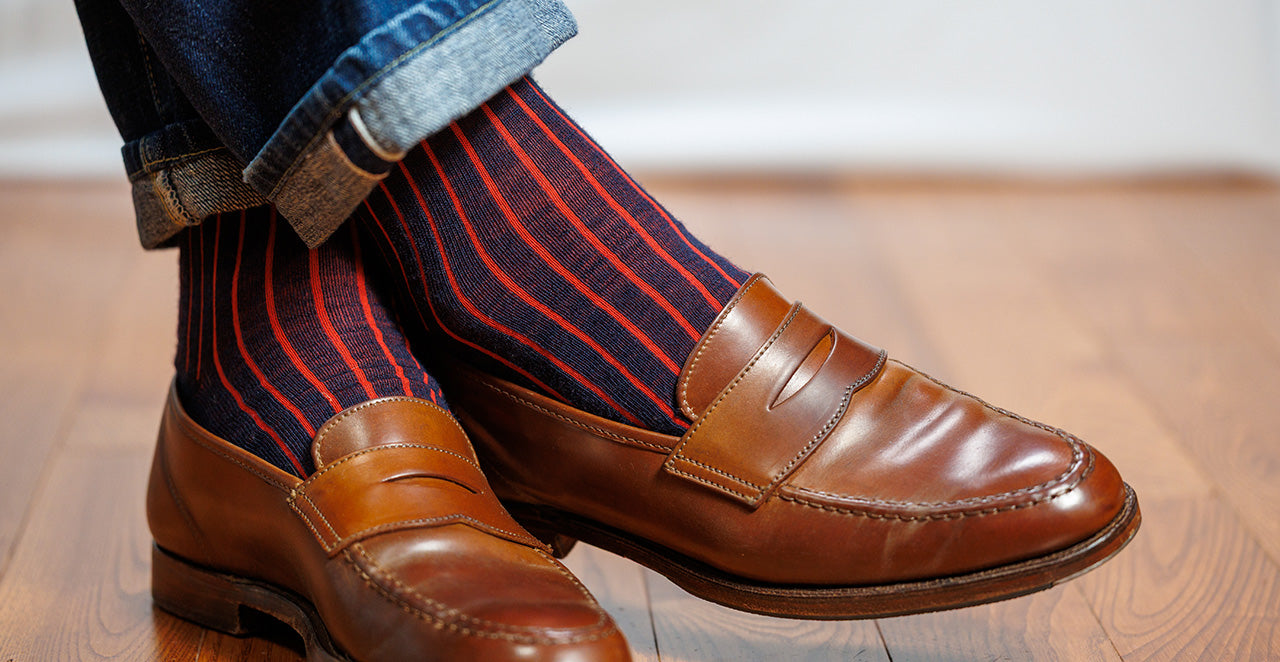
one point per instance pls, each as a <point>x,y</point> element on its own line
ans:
<point>244,352</point>
<point>657,207</point>
<point>368,312</point>
<point>317,294</point>
<point>515,288</point>
<point>427,294</point>
<point>622,213</point>
<point>278,330</point>
<point>559,268</point>
<point>217,363</point>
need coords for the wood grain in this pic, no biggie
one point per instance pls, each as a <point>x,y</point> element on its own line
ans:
<point>1193,585</point>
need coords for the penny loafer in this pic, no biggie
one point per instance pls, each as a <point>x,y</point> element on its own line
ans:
<point>394,549</point>
<point>818,478</point>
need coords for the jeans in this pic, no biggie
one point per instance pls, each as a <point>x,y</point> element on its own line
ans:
<point>305,104</point>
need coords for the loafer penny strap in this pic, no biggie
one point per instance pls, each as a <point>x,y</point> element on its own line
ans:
<point>777,410</point>
<point>396,487</point>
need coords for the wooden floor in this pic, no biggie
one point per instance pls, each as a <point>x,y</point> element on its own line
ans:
<point>1144,317</point>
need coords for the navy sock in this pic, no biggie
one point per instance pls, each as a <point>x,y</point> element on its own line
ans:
<point>274,339</point>
<point>522,241</point>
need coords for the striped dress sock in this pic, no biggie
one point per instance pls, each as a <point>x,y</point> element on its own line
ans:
<point>274,339</point>
<point>519,239</point>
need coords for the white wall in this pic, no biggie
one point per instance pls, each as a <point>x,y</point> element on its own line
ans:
<point>52,119</point>
<point>1081,87</point>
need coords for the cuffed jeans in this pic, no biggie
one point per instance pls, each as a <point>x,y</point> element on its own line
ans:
<point>305,104</point>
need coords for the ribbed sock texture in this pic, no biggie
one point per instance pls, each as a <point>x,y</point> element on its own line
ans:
<point>274,339</point>
<point>518,237</point>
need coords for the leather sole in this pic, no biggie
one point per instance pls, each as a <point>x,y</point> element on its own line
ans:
<point>559,530</point>
<point>228,603</point>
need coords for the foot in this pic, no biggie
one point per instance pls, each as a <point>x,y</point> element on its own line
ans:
<point>394,549</point>
<point>818,478</point>
<point>394,546</point>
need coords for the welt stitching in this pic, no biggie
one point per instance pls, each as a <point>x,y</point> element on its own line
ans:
<point>503,631</point>
<point>921,518</point>
<point>702,347</point>
<point>742,374</point>
<point>584,426</point>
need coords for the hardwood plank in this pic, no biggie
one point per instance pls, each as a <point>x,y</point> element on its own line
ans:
<point>619,586</point>
<point>1194,585</point>
<point>61,259</point>
<point>690,629</point>
<point>1199,355</point>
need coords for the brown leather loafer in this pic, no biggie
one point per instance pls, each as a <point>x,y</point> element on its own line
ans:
<point>395,549</point>
<point>818,478</point>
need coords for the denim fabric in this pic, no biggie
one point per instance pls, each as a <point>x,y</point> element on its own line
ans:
<point>227,105</point>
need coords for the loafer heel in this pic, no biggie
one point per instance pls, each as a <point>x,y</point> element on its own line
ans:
<point>207,598</point>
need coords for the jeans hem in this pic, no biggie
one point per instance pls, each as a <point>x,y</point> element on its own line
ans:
<point>184,191</point>
<point>434,80</point>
